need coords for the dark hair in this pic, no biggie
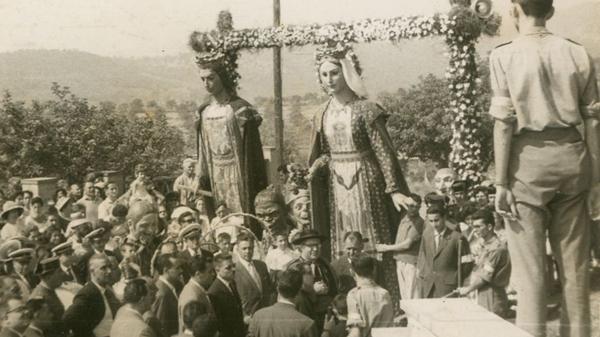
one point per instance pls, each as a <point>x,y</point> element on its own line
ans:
<point>339,303</point>
<point>165,262</point>
<point>55,197</point>
<point>491,189</point>
<point>28,192</point>
<point>120,210</point>
<point>244,236</point>
<point>355,236</point>
<point>37,200</point>
<point>13,196</point>
<point>415,197</point>
<point>223,235</point>
<point>221,258</point>
<point>484,214</point>
<point>129,273</point>
<point>535,8</point>
<point>192,310</point>
<point>482,189</point>
<point>289,283</point>
<point>204,326</point>
<point>435,209</point>
<point>35,304</point>
<point>135,290</point>
<point>198,264</point>
<point>282,169</point>
<point>364,266</point>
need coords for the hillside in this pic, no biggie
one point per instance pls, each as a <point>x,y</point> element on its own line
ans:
<point>28,74</point>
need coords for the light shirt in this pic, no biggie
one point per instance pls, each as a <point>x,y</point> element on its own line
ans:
<point>437,236</point>
<point>541,81</point>
<point>10,231</point>
<point>278,259</point>
<point>369,306</point>
<point>91,207</point>
<point>285,301</point>
<point>105,209</point>
<point>252,271</point>
<point>103,328</point>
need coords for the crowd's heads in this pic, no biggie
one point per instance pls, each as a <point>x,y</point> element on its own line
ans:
<point>353,244</point>
<point>413,209</point>
<point>289,283</point>
<point>100,269</point>
<point>201,267</point>
<point>141,293</point>
<point>205,326</point>
<point>541,9</point>
<point>309,243</point>
<point>41,312</point>
<point>11,211</point>
<point>443,180</point>
<point>245,245</point>
<point>189,165</point>
<point>15,313</point>
<point>483,222</point>
<point>47,272</point>
<point>364,266</point>
<point>436,216</point>
<point>224,242</point>
<point>170,267</point>
<point>224,266</point>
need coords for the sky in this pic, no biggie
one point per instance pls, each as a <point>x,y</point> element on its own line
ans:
<point>138,28</point>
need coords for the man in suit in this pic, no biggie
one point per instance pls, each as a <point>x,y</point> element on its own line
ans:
<point>353,246</point>
<point>164,307</point>
<point>50,279</point>
<point>282,319</point>
<point>226,300</point>
<point>439,267</point>
<point>95,305</point>
<point>203,274</point>
<point>252,278</point>
<point>138,297</point>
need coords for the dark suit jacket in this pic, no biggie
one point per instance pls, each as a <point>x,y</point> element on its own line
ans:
<point>251,296</point>
<point>87,310</point>
<point>56,326</point>
<point>165,309</point>
<point>342,270</point>
<point>437,271</point>
<point>228,309</point>
<point>281,320</point>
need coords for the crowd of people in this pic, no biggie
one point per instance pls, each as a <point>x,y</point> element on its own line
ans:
<point>94,261</point>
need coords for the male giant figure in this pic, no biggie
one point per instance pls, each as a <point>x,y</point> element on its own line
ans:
<point>546,151</point>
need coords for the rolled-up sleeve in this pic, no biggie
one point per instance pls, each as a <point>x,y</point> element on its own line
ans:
<point>589,104</point>
<point>501,107</point>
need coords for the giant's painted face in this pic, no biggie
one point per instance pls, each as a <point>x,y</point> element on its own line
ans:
<point>443,180</point>
<point>268,212</point>
<point>300,209</point>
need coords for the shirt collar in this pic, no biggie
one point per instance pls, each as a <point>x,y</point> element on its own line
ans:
<point>440,233</point>
<point>285,301</point>
<point>102,289</point>
<point>227,283</point>
<point>535,30</point>
<point>197,284</point>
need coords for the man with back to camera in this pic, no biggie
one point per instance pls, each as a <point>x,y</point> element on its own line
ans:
<point>545,106</point>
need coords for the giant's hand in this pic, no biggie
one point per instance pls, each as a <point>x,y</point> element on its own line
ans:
<point>400,200</point>
<point>506,204</point>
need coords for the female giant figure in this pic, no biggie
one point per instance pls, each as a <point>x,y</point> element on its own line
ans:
<point>356,180</point>
<point>230,158</point>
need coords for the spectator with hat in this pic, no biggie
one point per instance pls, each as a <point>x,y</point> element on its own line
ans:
<point>11,216</point>
<point>309,243</point>
<point>190,236</point>
<point>460,207</point>
<point>97,240</point>
<point>181,217</point>
<point>22,269</point>
<point>230,225</point>
<point>76,231</point>
<point>69,268</point>
<point>95,305</point>
<point>50,279</point>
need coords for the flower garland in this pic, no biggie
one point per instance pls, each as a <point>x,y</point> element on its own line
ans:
<point>461,28</point>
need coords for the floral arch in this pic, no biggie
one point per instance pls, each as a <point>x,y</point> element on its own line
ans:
<point>460,28</point>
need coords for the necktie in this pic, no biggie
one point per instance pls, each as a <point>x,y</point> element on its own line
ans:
<point>112,300</point>
<point>316,272</point>
<point>234,291</point>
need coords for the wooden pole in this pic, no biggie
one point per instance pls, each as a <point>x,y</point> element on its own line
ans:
<point>277,92</point>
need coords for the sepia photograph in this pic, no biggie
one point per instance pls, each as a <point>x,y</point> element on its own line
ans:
<point>299,168</point>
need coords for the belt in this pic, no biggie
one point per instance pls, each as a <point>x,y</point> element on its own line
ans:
<point>350,155</point>
<point>561,135</point>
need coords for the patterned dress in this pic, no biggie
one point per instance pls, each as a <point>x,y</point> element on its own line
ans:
<point>363,172</point>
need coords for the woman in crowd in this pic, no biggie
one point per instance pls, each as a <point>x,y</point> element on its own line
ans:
<point>364,179</point>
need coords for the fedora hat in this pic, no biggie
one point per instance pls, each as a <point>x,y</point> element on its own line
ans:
<point>305,235</point>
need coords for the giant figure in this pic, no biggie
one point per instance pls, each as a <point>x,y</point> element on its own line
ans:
<point>356,180</point>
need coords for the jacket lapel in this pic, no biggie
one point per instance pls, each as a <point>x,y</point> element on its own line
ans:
<point>443,242</point>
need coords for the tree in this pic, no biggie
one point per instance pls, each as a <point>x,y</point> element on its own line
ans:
<point>66,137</point>
<point>420,125</point>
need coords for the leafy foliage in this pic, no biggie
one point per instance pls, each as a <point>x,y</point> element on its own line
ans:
<point>420,125</point>
<point>68,137</point>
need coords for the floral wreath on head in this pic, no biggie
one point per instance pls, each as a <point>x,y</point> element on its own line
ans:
<point>343,55</point>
